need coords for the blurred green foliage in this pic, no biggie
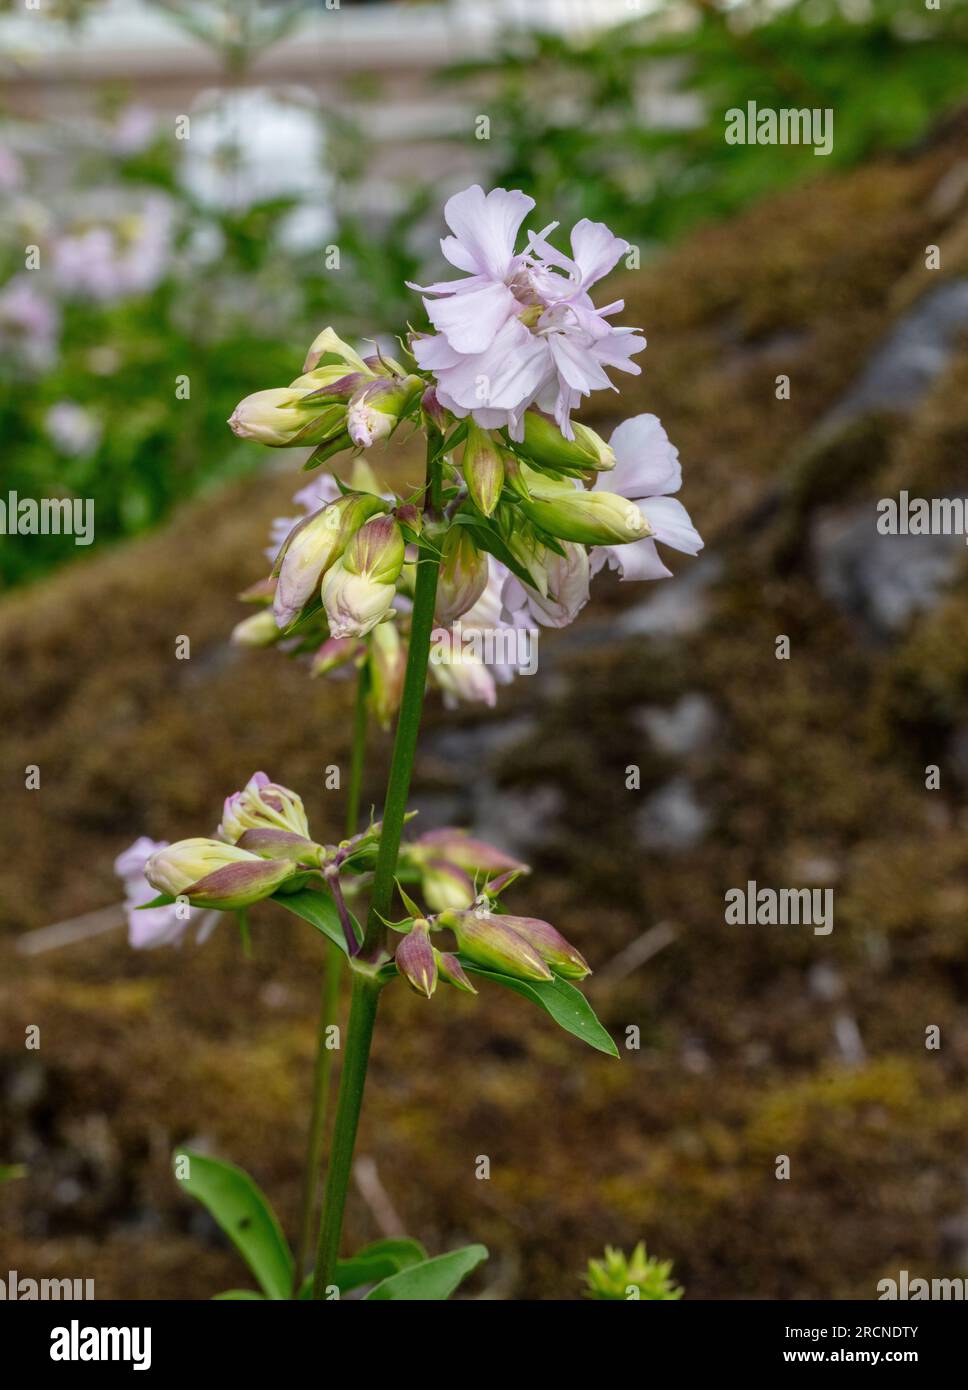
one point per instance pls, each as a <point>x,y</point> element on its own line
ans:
<point>571,123</point>
<point>581,125</point>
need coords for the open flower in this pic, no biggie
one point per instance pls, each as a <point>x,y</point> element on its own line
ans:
<point>520,329</point>
<point>646,470</point>
<point>154,926</point>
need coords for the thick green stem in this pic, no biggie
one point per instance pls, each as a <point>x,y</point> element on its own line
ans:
<point>408,727</point>
<point>359,1032</point>
<point>329,1004</point>
<point>366,988</point>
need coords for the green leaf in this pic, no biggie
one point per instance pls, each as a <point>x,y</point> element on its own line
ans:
<point>10,1171</point>
<point>373,1263</point>
<point>162,900</point>
<point>245,1216</point>
<point>238,1294</point>
<point>320,911</point>
<point>434,1279</point>
<point>567,1005</point>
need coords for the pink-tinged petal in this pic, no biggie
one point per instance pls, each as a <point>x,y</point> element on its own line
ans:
<point>576,364</point>
<point>471,282</point>
<point>435,354</point>
<point>487,226</point>
<point>638,560</point>
<point>504,377</point>
<point>671,524</point>
<point>595,249</point>
<point>471,322</point>
<point>646,460</point>
<point>617,348</point>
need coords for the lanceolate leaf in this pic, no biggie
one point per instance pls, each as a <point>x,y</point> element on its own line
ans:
<point>320,910</point>
<point>433,1279</point>
<point>245,1216</point>
<point>567,1005</point>
<point>239,1294</point>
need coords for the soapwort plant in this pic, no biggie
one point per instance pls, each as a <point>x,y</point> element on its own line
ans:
<point>520,506</point>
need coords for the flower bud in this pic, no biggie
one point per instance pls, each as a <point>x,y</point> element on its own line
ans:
<point>463,575</point>
<point>377,408</point>
<point>388,666</point>
<point>257,630</point>
<point>486,939</point>
<point>212,874</point>
<point>452,972</point>
<point>329,344</point>
<point>283,419</point>
<point>572,514</point>
<point>459,673</point>
<point>446,886</point>
<point>416,959</point>
<point>471,855</point>
<point>280,844</point>
<point>544,444</point>
<point>261,805</point>
<point>551,946</point>
<point>433,410</point>
<point>312,547</point>
<point>358,592</point>
<point>483,467</point>
<point>335,653</point>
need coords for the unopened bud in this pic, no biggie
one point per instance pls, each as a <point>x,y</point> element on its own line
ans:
<point>388,666</point>
<point>359,591</point>
<point>258,630</point>
<point>472,855</point>
<point>377,408</point>
<point>452,972</point>
<point>433,410</point>
<point>483,468</point>
<point>284,418</point>
<point>416,959</point>
<point>486,939</point>
<point>262,804</point>
<point>212,874</point>
<point>551,946</point>
<point>572,514</point>
<point>280,844</point>
<point>335,653</point>
<point>463,575</point>
<point>313,546</point>
<point>330,344</point>
<point>446,886</point>
<point>545,444</point>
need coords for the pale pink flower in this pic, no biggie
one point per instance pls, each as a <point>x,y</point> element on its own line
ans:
<point>521,329</point>
<point>157,926</point>
<point>646,470</point>
<point>567,582</point>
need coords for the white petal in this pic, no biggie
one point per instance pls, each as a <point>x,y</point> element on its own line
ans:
<point>646,461</point>
<point>487,226</point>
<point>471,322</point>
<point>671,524</point>
<point>637,560</point>
<point>595,249</point>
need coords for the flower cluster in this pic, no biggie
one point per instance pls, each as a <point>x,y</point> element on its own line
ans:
<point>532,506</point>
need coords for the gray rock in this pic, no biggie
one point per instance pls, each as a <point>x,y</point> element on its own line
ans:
<point>686,727</point>
<point>881,581</point>
<point>914,353</point>
<point>673,818</point>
